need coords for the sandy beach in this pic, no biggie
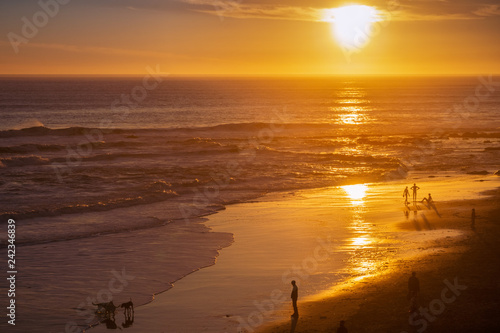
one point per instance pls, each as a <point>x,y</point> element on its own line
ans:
<point>353,269</point>
<point>379,303</point>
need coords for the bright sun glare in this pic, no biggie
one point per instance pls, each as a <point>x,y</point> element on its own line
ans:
<point>355,192</point>
<point>352,25</point>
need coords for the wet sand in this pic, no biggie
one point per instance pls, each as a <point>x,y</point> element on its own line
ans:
<point>350,256</point>
<point>379,303</point>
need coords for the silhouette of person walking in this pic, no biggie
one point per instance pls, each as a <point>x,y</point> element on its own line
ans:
<point>414,188</point>
<point>406,194</point>
<point>413,286</point>
<point>295,296</point>
<point>342,328</point>
<point>473,218</point>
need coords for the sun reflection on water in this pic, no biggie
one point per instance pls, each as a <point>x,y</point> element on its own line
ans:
<point>355,192</point>
<point>361,241</point>
<point>361,245</point>
<point>368,250</point>
<point>351,107</point>
<point>350,119</point>
<point>350,113</point>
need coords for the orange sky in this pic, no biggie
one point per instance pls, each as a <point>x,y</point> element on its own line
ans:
<point>245,37</point>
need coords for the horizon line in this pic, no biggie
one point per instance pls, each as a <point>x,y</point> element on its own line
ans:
<point>247,75</point>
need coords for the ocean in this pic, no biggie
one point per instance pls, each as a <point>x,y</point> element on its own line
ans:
<point>97,163</point>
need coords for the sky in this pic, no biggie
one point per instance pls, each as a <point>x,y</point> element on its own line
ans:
<point>248,37</point>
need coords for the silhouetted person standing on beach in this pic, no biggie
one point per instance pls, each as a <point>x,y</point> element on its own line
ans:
<point>342,328</point>
<point>473,218</point>
<point>406,194</point>
<point>414,188</point>
<point>294,296</point>
<point>413,286</point>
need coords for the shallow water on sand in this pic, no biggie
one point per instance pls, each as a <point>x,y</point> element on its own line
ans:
<point>321,238</point>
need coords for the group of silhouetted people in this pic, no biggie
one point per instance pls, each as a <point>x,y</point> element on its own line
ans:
<point>414,189</point>
<point>430,202</point>
<point>406,193</point>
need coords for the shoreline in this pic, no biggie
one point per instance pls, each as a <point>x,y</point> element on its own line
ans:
<point>350,252</point>
<point>180,306</point>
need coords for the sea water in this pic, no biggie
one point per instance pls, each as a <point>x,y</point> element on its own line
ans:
<point>91,167</point>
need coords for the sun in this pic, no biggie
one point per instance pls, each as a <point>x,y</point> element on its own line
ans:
<point>352,25</point>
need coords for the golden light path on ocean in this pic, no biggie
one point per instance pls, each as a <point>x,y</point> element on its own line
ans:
<point>351,107</point>
<point>361,263</point>
<point>351,118</point>
<point>361,241</point>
